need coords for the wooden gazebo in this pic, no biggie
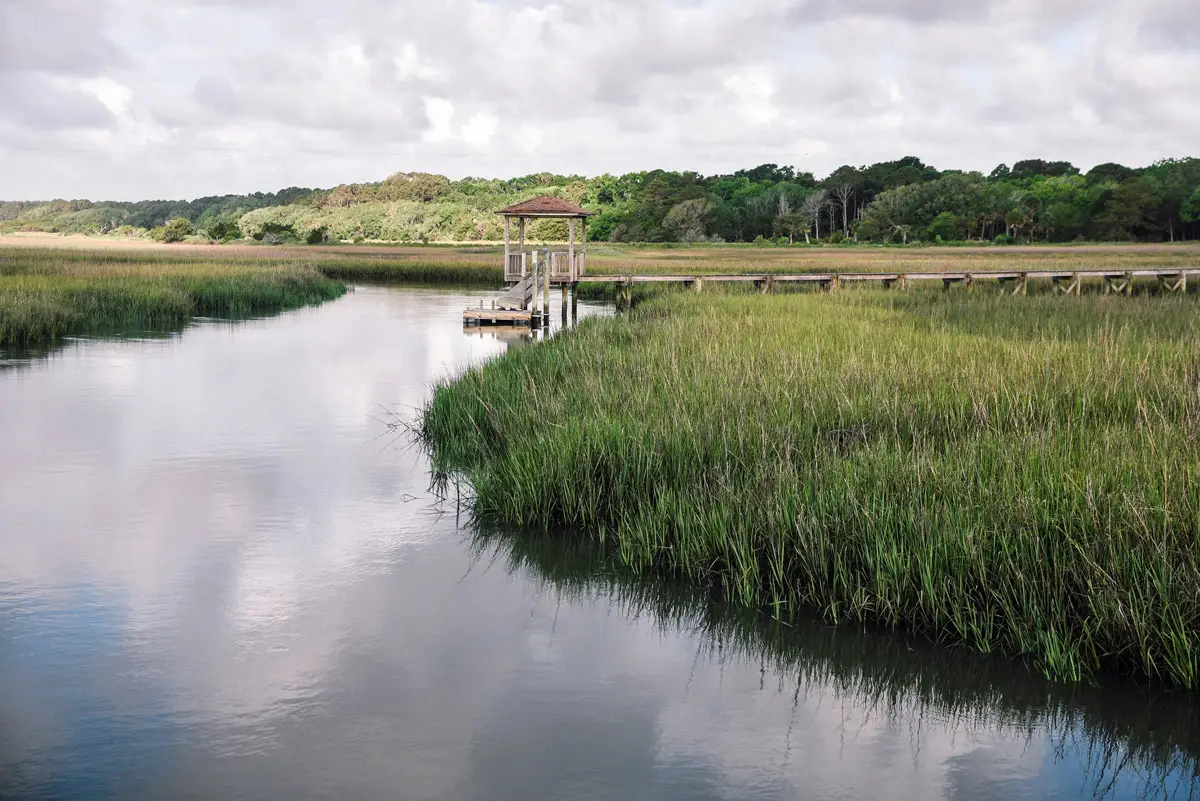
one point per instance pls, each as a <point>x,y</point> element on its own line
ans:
<point>565,266</point>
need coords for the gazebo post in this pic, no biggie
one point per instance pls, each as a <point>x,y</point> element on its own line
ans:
<point>521,239</point>
<point>571,246</point>
<point>507,221</point>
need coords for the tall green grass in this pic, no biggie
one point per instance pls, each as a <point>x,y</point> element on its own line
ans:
<point>45,295</point>
<point>1020,474</point>
<point>434,270</point>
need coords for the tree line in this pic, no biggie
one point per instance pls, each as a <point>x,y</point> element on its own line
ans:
<point>901,201</point>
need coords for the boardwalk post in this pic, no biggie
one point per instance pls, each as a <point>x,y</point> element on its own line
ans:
<point>546,287</point>
<point>1129,284</point>
<point>970,283</point>
<point>697,284</point>
<point>629,293</point>
<point>575,301</point>
<point>1022,284</point>
<point>902,283</point>
<point>837,282</point>
<point>770,285</point>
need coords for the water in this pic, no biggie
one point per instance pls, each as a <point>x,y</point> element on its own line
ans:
<point>221,576</point>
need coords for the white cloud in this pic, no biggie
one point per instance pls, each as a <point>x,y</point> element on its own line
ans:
<point>321,94</point>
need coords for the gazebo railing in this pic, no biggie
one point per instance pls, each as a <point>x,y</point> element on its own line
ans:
<point>562,270</point>
<point>514,269</point>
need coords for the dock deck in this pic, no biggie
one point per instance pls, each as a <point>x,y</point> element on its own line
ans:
<point>508,317</point>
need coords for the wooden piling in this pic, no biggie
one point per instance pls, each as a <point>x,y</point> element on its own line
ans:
<point>1174,282</point>
<point>533,286</point>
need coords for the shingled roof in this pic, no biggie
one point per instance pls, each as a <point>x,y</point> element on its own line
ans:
<point>545,206</point>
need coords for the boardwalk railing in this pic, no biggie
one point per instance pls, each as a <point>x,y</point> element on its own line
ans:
<point>1069,282</point>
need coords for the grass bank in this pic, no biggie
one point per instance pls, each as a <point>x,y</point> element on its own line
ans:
<point>1017,474</point>
<point>46,294</point>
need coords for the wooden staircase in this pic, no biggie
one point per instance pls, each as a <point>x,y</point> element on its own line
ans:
<point>519,295</point>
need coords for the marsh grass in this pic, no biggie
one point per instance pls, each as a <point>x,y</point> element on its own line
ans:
<point>1020,474</point>
<point>45,295</point>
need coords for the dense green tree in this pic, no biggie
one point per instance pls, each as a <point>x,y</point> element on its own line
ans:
<point>1128,213</point>
<point>1034,168</point>
<point>1110,171</point>
<point>946,227</point>
<point>687,221</point>
<point>890,201</point>
<point>1190,208</point>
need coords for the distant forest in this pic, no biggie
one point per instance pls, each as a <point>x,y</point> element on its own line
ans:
<point>902,201</point>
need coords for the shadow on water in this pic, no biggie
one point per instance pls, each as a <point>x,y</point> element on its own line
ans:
<point>1117,736</point>
<point>17,358</point>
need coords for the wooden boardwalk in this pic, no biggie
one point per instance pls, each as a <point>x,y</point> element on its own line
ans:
<point>517,306</point>
<point>1069,282</point>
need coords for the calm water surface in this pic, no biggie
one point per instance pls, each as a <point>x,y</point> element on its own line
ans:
<point>222,577</point>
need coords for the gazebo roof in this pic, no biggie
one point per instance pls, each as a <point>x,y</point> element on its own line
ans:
<point>545,206</point>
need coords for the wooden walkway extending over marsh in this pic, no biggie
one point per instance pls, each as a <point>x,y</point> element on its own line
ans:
<point>1068,282</point>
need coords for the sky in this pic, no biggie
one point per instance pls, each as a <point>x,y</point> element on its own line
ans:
<point>137,99</point>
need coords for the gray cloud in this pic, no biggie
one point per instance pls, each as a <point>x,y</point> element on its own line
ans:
<point>213,96</point>
<point>32,101</point>
<point>55,35</point>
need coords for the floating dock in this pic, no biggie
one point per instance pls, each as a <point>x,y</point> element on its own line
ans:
<point>508,317</point>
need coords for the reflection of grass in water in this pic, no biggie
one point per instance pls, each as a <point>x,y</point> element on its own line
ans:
<point>1115,732</point>
<point>1019,474</point>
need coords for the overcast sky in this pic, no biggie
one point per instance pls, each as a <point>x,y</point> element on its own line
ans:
<point>133,99</point>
